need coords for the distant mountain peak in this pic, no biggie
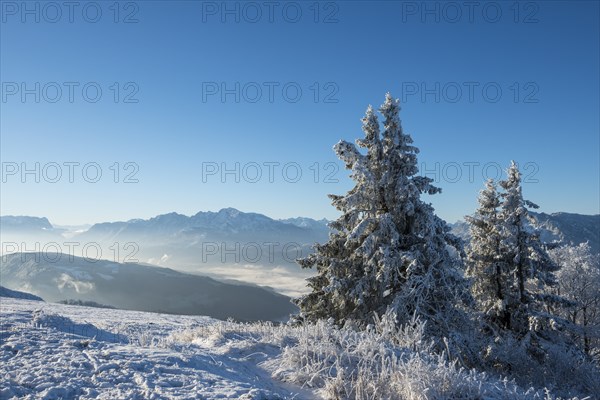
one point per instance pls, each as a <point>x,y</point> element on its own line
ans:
<point>22,222</point>
<point>230,211</point>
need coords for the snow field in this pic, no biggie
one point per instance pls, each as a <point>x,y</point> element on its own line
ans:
<point>54,351</point>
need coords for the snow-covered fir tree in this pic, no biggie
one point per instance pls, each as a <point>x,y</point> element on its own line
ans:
<point>512,273</point>
<point>530,270</point>
<point>485,261</point>
<point>514,284</point>
<point>388,251</point>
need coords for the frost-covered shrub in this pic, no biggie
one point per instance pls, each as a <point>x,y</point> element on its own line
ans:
<point>558,366</point>
<point>387,361</point>
<point>579,282</point>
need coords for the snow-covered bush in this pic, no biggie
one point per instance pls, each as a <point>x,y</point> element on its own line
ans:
<point>579,282</point>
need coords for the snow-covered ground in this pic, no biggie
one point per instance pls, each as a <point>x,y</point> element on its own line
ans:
<point>54,351</point>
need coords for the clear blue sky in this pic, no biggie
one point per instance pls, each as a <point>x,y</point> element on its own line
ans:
<point>543,56</point>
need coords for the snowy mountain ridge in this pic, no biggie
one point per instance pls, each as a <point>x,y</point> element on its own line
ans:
<point>25,223</point>
<point>227,220</point>
<point>15,294</point>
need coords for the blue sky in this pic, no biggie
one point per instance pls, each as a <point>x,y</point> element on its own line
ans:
<point>164,120</point>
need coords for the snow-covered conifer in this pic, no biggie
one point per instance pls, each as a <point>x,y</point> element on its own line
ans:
<point>485,262</point>
<point>388,249</point>
<point>531,271</point>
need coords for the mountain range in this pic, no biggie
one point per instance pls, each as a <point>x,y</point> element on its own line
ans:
<point>231,225</point>
<point>227,224</point>
<point>227,244</point>
<point>230,245</point>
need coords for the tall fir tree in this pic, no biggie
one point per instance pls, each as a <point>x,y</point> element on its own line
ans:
<point>530,268</point>
<point>485,261</point>
<point>511,269</point>
<point>388,249</point>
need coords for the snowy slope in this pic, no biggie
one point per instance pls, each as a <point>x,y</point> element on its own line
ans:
<point>15,294</point>
<point>132,286</point>
<point>51,351</point>
<point>571,228</point>
<point>54,351</point>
